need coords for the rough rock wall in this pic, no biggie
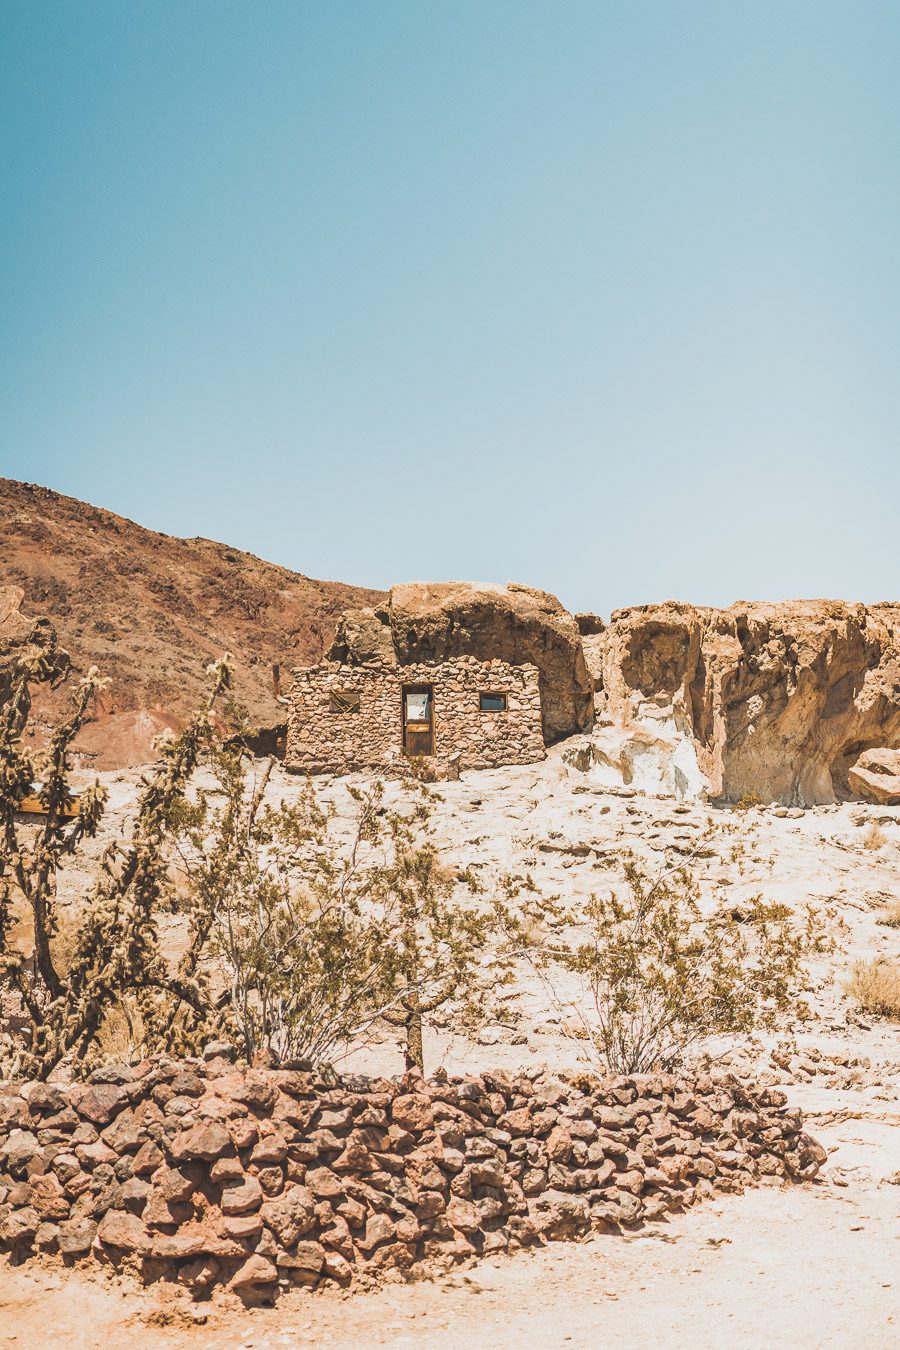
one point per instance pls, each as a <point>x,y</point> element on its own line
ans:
<point>440,621</point>
<point>779,700</point>
<point>198,1172</point>
<point>322,738</point>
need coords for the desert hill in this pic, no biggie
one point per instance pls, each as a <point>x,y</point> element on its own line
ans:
<point>151,611</point>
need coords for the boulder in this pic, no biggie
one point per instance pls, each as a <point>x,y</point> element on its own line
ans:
<point>875,776</point>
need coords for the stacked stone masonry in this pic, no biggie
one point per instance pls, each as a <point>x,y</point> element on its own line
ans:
<point>208,1175</point>
<point>323,738</point>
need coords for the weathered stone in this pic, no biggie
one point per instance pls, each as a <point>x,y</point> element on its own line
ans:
<point>875,776</point>
<point>147,1159</point>
<point>272,1148</point>
<point>207,1140</point>
<point>98,1102</point>
<point>20,1226</point>
<point>18,1150</point>
<point>239,1197</point>
<point>48,1197</point>
<point>290,1215</point>
<point>123,1231</point>
<point>413,1112</point>
<point>125,1134</point>
<point>379,1228</point>
<point>256,1270</point>
<point>76,1236</point>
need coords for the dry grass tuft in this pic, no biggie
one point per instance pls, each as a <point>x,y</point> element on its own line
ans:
<point>875,985</point>
<point>874,836</point>
<point>890,916</point>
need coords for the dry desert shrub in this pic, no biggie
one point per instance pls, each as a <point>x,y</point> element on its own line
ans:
<point>874,837</point>
<point>890,916</point>
<point>875,984</point>
<point>658,974</point>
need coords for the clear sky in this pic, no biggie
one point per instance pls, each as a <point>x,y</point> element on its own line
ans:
<point>600,297</point>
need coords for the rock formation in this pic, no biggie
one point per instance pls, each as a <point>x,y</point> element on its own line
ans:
<point>876,776</point>
<point>437,621</point>
<point>778,700</point>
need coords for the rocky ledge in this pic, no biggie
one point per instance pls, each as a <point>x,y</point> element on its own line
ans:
<point>209,1175</point>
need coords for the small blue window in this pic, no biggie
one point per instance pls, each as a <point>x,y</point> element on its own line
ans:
<point>492,702</point>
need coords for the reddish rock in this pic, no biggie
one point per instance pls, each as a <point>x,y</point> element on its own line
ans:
<point>256,1270</point>
<point>76,1236</point>
<point>379,1229</point>
<point>48,1197</point>
<point>413,1112</point>
<point>123,1231</point>
<point>290,1215</point>
<point>239,1197</point>
<point>98,1102</point>
<point>206,1140</point>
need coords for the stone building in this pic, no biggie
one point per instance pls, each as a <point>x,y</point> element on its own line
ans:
<point>478,714</point>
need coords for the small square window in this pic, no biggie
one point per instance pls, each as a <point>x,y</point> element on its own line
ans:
<point>492,702</point>
<point>344,700</point>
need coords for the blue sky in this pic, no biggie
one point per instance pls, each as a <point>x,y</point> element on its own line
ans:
<point>598,297</point>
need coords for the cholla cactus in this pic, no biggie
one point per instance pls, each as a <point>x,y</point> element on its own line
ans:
<point>116,951</point>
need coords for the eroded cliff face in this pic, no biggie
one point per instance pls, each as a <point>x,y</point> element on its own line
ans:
<point>437,621</point>
<point>780,700</point>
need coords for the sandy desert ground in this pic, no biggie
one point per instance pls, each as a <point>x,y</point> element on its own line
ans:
<point>813,1265</point>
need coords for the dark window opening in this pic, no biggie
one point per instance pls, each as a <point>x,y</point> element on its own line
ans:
<point>492,702</point>
<point>344,700</point>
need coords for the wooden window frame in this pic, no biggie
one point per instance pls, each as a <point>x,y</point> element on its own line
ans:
<point>493,693</point>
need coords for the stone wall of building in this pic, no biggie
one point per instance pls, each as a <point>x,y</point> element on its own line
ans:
<point>208,1174</point>
<point>323,738</point>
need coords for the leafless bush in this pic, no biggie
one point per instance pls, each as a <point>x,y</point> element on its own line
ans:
<point>890,915</point>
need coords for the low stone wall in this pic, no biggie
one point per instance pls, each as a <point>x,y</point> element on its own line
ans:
<point>201,1173</point>
<point>324,739</point>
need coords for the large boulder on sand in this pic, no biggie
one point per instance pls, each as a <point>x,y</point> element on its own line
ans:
<point>876,777</point>
<point>428,621</point>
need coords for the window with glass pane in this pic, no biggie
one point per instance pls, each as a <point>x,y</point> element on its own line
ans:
<point>492,702</point>
<point>417,706</point>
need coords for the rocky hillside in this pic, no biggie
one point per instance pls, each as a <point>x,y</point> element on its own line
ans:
<point>151,611</point>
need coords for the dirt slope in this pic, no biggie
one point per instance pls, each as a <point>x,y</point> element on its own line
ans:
<point>151,611</point>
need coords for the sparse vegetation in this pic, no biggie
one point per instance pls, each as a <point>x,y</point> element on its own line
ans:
<point>874,837</point>
<point>890,916</point>
<point>318,939</point>
<point>67,985</point>
<point>875,985</point>
<point>659,975</point>
<point>748,801</point>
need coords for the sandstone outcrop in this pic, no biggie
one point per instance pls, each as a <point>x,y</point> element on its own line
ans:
<point>438,621</point>
<point>779,700</point>
<point>876,777</point>
<point>198,1172</point>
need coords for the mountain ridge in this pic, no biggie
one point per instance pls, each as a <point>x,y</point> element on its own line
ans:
<point>151,610</point>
